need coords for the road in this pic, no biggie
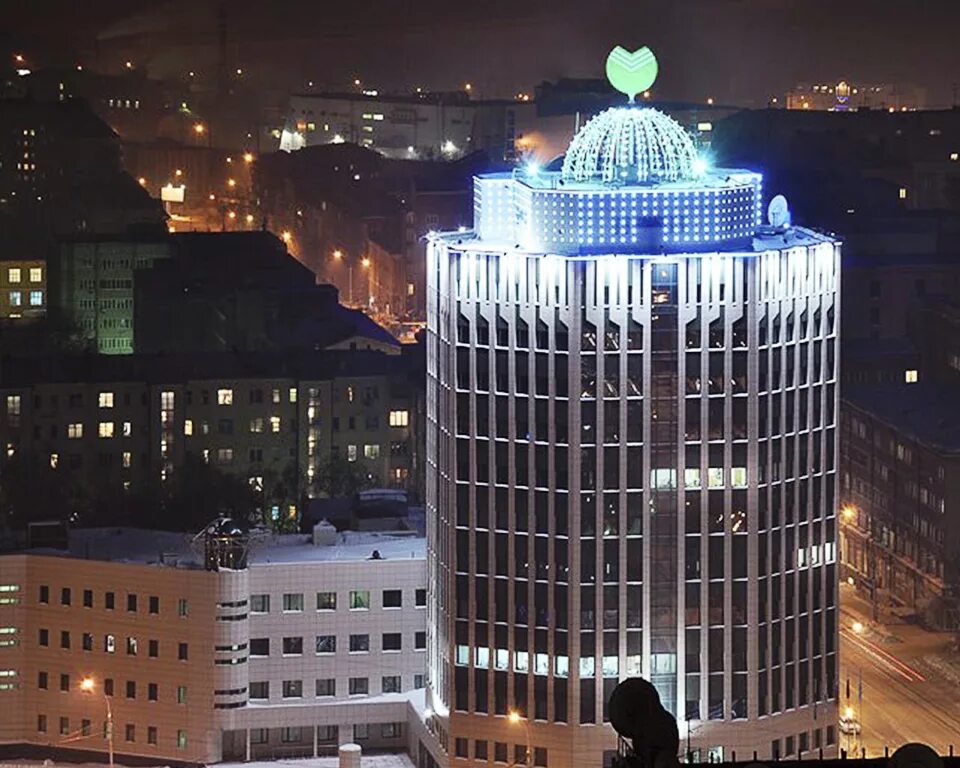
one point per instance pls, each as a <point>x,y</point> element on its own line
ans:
<point>905,697</point>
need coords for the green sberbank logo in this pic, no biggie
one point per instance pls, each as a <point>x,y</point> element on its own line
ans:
<point>631,72</point>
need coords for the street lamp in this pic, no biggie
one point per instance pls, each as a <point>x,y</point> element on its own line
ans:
<point>515,718</point>
<point>89,685</point>
<point>248,157</point>
<point>367,264</point>
<point>857,627</point>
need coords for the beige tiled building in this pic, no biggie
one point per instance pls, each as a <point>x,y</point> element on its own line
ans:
<point>298,647</point>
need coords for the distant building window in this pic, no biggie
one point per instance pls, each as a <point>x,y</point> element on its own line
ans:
<point>36,274</point>
<point>275,424</point>
<point>359,686</point>
<point>293,689</point>
<point>75,431</point>
<point>359,643</point>
<point>105,429</point>
<point>326,686</point>
<point>326,601</point>
<point>293,601</point>
<point>292,646</point>
<point>260,603</point>
<point>911,376</point>
<point>359,600</point>
<point>392,598</point>
<point>392,641</point>
<point>326,644</point>
<point>224,397</point>
<point>16,299</point>
<point>399,418</point>
<point>903,196</point>
<point>13,274</point>
<point>371,451</point>
<point>36,298</point>
<point>105,400</point>
<point>351,453</point>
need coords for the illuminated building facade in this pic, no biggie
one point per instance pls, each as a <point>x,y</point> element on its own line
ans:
<point>844,96</point>
<point>631,456</point>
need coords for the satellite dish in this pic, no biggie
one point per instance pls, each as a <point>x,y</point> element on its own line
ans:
<point>778,212</point>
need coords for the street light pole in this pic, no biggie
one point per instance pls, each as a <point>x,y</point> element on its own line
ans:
<point>515,717</point>
<point>109,729</point>
<point>88,686</point>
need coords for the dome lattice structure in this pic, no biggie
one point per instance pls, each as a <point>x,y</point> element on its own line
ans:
<point>631,145</point>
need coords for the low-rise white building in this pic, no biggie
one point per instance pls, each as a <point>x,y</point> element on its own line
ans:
<point>289,645</point>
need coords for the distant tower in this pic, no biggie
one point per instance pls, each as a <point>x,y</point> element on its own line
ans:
<point>632,407</point>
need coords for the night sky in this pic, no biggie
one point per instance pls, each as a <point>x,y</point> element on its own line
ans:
<point>739,51</point>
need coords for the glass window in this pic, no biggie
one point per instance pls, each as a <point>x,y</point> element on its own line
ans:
<point>392,598</point>
<point>292,646</point>
<point>259,646</point>
<point>224,397</point>
<point>260,690</point>
<point>359,643</point>
<point>391,684</point>
<point>260,603</point>
<point>359,600</point>
<point>327,686</point>
<point>359,686</point>
<point>36,274</point>
<point>326,601</point>
<point>293,689</point>
<point>326,644</point>
<point>293,601</point>
<point>392,641</point>
<point>13,274</point>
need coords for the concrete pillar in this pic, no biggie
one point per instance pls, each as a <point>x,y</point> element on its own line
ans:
<point>314,729</point>
<point>246,736</point>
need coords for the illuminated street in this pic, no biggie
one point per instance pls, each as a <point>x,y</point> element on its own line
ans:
<point>907,696</point>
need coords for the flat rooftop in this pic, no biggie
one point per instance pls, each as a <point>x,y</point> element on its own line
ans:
<point>142,546</point>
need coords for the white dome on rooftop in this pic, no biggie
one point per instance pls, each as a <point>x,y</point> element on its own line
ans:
<point>631,145</point>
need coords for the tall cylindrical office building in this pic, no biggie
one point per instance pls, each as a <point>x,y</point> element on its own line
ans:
<point>632,401</point>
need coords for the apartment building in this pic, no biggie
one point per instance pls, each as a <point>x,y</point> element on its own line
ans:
<point>899,469</point>
<point>125,421</point>
<point>93,286</point>
<point>23,289</point>
<point>230,646</point>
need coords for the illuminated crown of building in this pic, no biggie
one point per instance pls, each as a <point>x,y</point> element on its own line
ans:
<point>631,145</point>
<point>632,181</point>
